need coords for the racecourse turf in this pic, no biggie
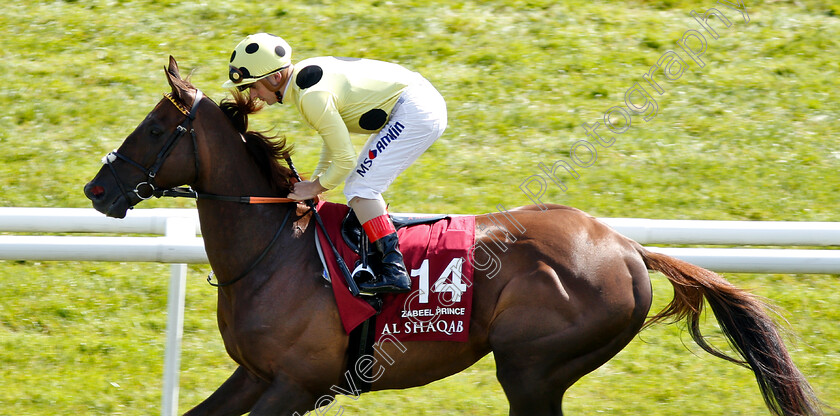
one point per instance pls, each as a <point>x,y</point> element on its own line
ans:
<point>750,135</point>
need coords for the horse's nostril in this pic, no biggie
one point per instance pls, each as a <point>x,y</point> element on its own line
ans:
<point>97,191</point>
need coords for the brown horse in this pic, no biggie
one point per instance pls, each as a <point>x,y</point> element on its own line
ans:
<point>565,296</point>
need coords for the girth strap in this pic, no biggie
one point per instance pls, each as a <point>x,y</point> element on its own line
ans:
<point>360,345</point>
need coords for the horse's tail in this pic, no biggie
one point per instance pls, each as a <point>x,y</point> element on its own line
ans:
<point>748,328</point>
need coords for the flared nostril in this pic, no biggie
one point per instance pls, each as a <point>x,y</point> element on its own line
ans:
<point>94,191</point>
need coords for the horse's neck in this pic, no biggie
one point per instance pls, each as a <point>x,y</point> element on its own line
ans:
<point>234,233</point>
<point>226,167</point>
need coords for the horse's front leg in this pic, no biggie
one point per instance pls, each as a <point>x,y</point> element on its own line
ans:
<point>287,398</point>
<point>235,397</point>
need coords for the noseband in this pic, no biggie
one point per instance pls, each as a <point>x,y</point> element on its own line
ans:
<point>147,189</point>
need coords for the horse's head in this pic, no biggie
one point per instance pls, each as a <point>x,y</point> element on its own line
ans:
<point>158,154</point>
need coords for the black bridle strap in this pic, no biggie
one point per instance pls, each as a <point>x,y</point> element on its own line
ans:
<point>190,116</point>
<point>179,131</point>
<point>152,171</point>
<point>117,177</point>
<point>195,155</point>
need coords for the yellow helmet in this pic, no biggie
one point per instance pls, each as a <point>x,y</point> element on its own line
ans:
<point>257,57</point>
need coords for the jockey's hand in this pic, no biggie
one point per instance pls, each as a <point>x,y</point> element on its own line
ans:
<point>304,190</point>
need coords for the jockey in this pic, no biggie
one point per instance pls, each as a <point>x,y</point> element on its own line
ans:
<point>400,110</point>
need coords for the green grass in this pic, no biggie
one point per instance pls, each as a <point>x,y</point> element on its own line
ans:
<point>753,135</point>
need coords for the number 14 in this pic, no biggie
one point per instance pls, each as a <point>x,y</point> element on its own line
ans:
<point>456,288</point>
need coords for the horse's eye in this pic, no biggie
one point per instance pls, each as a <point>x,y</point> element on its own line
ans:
<point>156,131</point>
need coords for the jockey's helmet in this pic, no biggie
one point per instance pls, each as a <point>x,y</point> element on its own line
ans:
<point>257,57</point>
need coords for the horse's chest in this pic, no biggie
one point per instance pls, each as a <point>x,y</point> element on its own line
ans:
<point>253,347</point>
<point>244,333</point>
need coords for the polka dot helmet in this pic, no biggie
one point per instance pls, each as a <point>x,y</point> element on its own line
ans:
<point>255,58</point>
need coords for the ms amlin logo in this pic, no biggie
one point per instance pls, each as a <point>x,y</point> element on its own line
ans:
<point>377,148</point>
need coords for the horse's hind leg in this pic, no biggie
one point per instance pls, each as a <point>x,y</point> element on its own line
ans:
<point>544,340</point>
<point>535,377</point>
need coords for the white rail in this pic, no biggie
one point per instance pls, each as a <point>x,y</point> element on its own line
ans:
<point>757,233</point>
<point>740,233</point>
<point>179,245</point>
<point>88,220</point>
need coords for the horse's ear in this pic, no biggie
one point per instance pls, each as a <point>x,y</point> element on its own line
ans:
<point>179,87</point>
<point>172,70</point>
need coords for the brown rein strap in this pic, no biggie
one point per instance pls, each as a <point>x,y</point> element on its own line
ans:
<point>248,199</point>
<point>269,200</point>
<point>187,192</point>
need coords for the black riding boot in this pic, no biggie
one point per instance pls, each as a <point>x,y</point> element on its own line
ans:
<point>391,276</point>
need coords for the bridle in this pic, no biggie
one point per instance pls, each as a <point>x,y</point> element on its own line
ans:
<point>147,189</point>
<point>153,190</point>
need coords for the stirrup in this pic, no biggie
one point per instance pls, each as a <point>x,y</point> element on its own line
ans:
<point>363,273</point>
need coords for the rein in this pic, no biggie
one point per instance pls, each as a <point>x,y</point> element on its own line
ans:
<point>187,192</point>
<point>152,190</point>
<point>179,192</point>
<point>257,260</point>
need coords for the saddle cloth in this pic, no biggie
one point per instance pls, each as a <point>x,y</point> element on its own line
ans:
<point>436,256</point>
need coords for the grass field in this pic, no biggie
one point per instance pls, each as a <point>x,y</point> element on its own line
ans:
<point>751,135</point>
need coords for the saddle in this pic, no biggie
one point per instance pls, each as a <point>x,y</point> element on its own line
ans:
<point>354,235</point>
<point>363,337</point>
<point>437,249</point>
<point>356,239</point>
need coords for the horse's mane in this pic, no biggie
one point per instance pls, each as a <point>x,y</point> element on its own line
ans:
<point>268,152</point>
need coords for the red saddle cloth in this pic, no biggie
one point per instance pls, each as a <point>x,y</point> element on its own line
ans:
<point>436,256</point>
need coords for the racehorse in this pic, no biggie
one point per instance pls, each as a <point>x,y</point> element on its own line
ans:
<point>568,295</point>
